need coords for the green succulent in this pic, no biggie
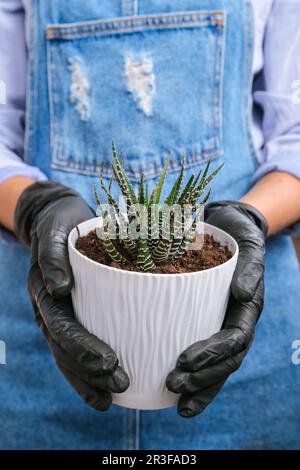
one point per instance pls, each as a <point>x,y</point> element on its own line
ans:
<point>162,234</point>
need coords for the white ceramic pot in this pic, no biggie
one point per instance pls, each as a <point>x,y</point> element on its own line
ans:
<point>149,319</point>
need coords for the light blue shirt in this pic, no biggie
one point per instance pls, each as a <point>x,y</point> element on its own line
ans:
<point>276,90</point>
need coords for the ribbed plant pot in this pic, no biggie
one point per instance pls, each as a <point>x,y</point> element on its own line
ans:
<point>149,319</point>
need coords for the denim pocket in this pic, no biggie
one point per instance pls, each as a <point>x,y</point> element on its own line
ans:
<point>152,83</point>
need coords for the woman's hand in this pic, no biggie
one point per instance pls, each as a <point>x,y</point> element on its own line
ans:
<point>203,368</point>
<point>45,214</point>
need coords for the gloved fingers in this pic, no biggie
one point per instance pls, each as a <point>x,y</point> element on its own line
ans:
<point>53,229</point>
<point>244,315</point>
<point>180,381</point>
<point>65,271</point>
<point>250,211</point>
<point>91,393</point>
<point>248,272</point>
<point>235,220</point>
<point>220,346</point>
<point>94,397</point>
<point>54,262</point>
<point>235,336</point>
<point>191,404</point>
<point>116,382</point>
<point>58,317</point>
<point>34,249</point>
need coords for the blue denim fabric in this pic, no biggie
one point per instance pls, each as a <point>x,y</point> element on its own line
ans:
<point>201,55</point>
<point>69,139</point>
<point>168,46</point>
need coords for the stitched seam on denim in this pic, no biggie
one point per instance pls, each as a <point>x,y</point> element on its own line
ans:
<point>32,88</point>
<point>214,118</point>
<point>125,429</point>
<point>104,164</point>
<point>217,90</point>
<point>130,429</point>
<point>28,115</point>
<point>55,143</point>
<point>128,436</point>
<point>105,171</point>
<point>56,106</point>
<point>222,66</point>
<point>247,83</point>
<point>137,430</point>
<point>141,18</point>
<point>135,24</point>
<point>131,29</point>
<point>59,103</point>
<point>51,101</point>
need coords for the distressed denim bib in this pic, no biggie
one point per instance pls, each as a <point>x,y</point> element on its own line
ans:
<point>159,77</point>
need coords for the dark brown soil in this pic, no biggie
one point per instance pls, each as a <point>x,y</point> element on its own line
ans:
<point>210,255</point>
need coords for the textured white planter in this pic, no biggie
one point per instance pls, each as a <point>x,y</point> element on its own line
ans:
<point>149,319</point>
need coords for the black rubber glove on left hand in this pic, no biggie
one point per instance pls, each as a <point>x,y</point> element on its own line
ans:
<point>203,368</point>
<point>46,212</point>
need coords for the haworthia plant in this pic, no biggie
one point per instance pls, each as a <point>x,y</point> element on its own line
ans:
<point>166,235</point>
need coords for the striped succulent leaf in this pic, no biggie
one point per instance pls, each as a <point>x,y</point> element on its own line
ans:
<point>161,252</point>
<point>112,251</point>
<point>181,249</point>
<point>130,246</point>
<point>144,259</point>
<point>199,190</point>
<point>187,189</point>
<point>122,179</point>
<point>166,238</point>
<point>155,196</point>
<point>174,193</point>
<point>153,225</point>
<point>141,196</point>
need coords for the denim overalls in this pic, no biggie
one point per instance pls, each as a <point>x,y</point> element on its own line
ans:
<point>158,76</point>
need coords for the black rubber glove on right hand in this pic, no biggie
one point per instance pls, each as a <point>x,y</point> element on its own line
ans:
<point>46,212</point>
<point>203,368</point>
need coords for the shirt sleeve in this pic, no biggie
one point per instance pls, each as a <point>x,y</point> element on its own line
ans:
<point>278,93</point>
<point>13,62</point>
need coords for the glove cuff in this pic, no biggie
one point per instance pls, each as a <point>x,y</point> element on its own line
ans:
<point>32,200</point>
<point>258,218</point>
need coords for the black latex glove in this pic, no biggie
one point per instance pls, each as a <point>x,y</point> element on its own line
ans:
<point>202,369</point>
<point>46,212</point>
